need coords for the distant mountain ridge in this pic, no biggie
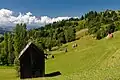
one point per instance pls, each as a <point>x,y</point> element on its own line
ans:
<point>3,30</point>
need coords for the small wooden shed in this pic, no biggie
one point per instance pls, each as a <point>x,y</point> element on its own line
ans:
<point>32,62</point>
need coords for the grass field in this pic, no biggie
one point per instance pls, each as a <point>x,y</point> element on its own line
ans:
<point>91,60</point>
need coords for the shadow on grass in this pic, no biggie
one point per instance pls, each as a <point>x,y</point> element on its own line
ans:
<point>53,74</point>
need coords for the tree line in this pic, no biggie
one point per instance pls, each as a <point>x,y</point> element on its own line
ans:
<point>46,37</point>
<point>12,43</point>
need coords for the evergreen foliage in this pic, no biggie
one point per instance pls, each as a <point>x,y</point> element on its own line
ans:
<point>98,24</point>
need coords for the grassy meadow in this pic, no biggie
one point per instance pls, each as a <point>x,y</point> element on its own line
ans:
<point>90,60</point>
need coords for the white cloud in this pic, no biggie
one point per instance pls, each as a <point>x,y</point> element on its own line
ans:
<point>7,18</point>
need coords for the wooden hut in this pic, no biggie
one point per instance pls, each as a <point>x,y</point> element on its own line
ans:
<point>32,62</point>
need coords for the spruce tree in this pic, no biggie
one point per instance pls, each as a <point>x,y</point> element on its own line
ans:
<point>19,38</point>
<point>11,55</point>
<point>5,52</point>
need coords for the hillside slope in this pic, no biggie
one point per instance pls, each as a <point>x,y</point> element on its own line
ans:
<point>91,60</point>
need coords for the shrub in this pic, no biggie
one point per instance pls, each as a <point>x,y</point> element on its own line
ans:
<point>17,66</point>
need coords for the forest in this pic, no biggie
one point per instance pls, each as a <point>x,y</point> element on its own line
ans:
<point>99,24</point>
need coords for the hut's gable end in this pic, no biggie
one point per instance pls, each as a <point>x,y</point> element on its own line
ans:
<point>32,63</point>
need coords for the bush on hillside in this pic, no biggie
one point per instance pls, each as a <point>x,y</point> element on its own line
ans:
<point>17,66</point>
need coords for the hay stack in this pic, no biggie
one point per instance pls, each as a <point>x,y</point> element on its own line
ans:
<point>109,36</point>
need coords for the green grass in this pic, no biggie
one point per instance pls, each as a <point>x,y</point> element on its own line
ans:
<point>91,60</point>
<point>81,33</point>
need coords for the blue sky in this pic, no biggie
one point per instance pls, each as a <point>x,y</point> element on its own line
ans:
<point>36,13</point>
<point>54,8</point>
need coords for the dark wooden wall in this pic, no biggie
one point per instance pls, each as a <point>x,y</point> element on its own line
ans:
<point>32,63</point>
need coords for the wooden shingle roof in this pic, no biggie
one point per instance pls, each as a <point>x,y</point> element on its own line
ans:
<point>22,52</point>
